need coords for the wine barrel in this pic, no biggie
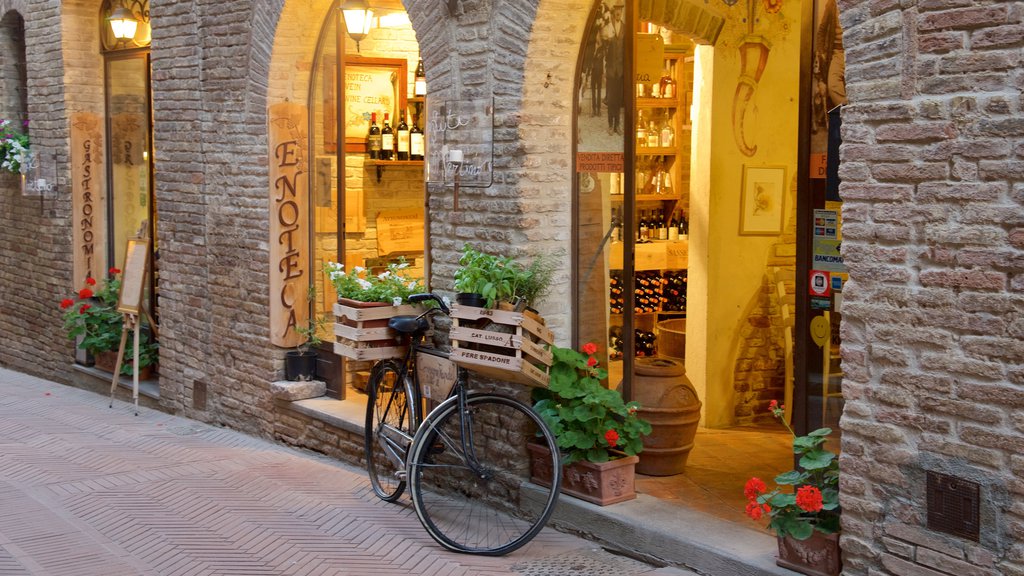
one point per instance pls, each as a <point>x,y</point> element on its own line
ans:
<point>669,402</point>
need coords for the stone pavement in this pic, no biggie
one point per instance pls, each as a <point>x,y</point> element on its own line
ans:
<point>90,490</point>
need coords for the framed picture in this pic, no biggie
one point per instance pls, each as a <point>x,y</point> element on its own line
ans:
<point>371,85</point>
<point>761,200</point>
<point>133,275</point>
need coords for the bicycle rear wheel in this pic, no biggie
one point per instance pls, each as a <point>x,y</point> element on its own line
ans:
<point>467,475</point>
<point>391,419</point>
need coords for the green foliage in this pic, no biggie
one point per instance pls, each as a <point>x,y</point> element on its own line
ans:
<point>501,278</point>
<point>587,419</point>
<point>93,315</point>
<point>813,501</point>
<point>392,286</point>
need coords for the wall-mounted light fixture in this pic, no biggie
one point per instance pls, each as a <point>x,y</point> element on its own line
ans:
<point>123,23</point>
<point>358,19</point>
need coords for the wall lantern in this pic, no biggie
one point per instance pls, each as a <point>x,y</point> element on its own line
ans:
<point>358,19</point>
<point>123,23</point>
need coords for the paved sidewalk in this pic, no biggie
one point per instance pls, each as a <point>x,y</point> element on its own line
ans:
<point>89,490</point>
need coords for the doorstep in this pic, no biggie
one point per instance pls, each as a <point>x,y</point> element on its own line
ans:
<point>96,380</point>
<point>650,529</point>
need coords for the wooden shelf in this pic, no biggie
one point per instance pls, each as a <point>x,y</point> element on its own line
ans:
<point>657,102</point>
<point>381,164</point>
<point>656,151</point>
<point>648,197</point>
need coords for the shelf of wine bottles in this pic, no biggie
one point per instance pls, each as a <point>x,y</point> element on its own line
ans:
<point>654,292</point>
<point>644,343</point>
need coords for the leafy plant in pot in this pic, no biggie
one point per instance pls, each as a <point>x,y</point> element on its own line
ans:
<point>804,515</point>
<point>595,428</point>
<point>484,280</point>
<point>300,364</point>
<point>92,315</point>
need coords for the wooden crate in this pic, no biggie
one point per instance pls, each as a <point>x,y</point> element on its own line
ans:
<point>500,344</point>
<point>362,333</point>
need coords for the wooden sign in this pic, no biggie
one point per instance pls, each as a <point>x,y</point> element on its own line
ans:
<point>371,85</point>
<point>650,56</point>
<point>289,223</point>
<point>88,197</point>
<point>437,375</point>
<point>400,232</point>
<point>133,276</point>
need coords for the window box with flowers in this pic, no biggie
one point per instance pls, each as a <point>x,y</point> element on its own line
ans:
<point>365,304</point>
<point>92,316</point>
<point>598,433</point>
<point>805,518</point>
<point>15,156</point>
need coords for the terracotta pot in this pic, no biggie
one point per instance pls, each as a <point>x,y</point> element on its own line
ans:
<point>668,401</point>
<point>602,484</point>
<point>106,360</point>
<point>816,556</point>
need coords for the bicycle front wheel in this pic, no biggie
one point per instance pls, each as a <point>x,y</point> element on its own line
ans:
<point>391,419</point>
<point>468,475</point>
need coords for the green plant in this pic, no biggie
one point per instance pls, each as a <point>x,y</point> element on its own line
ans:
<point>501,278</point>
<point>93,315</point>
<point>813,502</point>
<point>588,419</point>
<point>392,285</point>
<point>310,332</point>
<point>149,354</point>
<point>14,148</point>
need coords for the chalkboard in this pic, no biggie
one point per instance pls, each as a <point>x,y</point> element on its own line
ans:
<point>133,276</point>
<point>461,126</point>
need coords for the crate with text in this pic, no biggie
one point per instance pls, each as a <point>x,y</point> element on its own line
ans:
<point>501,344</point>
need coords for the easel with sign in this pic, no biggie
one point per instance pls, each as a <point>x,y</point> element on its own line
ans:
<point>130,303</point>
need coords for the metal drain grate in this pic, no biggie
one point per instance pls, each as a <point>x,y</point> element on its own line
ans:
<point>584,563</point>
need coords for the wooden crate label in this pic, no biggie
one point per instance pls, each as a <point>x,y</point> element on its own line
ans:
<point>496,360</point>
<point>485,337</point>
<point>499,316</point>
<point>538,330</point>
<point>537,352</point>
<point>353,351</point>
<point>374,313</point>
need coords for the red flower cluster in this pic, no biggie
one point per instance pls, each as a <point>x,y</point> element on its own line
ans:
<point>83,308</point>
<point>612,437</point>
<point>589,348</point>
<point>754,488</point>
<point>90,280</point>
<point>85,293</point>
<point>113,271</point>
<point>66,303</point>
<point>808,498</point>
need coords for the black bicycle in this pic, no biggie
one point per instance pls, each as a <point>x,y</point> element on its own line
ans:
<point>465,462</point>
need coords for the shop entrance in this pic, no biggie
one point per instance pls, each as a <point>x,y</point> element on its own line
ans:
<point>694,220</point>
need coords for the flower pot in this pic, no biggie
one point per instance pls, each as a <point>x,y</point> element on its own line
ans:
<point>106,360</point>
<point>471,299</point>
<point>300,366</point>
<point>602,484</point>
<point>816,556</point>
<point>669,402</point>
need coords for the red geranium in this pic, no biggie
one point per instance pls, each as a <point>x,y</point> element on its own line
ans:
<point>755,510</point>
<point>612,437</point>
<point>114,271</point>
<point>85,293</point>
<point>808,498</point>
<point>83,308</point>
<point>754,487</point>
<point>591,361</point>
<point>66,303</point>
<point>589,348</point>
<point>90,280</point>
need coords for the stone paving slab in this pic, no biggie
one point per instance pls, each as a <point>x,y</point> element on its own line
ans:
<point>91,490</point>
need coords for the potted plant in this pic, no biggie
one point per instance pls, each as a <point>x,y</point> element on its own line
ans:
<point>92,316</point>
<point>805,513</point>
<point>483,280</point>
<point>598,433</point>
<point>15,156</point>
<point>300,364</point>
<point>365,304</point>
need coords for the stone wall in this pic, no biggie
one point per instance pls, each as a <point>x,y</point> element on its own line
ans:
<point>934,311</point>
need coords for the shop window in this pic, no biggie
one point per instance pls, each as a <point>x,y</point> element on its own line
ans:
<point>366,207</point>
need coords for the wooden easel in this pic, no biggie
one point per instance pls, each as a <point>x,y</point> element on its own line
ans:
<point>130,303</point>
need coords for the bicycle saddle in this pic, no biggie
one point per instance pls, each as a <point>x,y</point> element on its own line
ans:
<point>408,324</point>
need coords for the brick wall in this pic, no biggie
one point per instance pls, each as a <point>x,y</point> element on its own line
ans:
<point>932,326</point>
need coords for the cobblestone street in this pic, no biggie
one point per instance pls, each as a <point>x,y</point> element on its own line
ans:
<point>89,490</point>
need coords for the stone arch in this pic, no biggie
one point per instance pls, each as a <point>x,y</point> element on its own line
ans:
<point>688,17</point>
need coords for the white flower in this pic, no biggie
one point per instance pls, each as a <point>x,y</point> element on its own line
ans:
<point>401,266</point>
<point>412,285</point>
<point>358,269</point>
<point>384,275</point>
<point>364,283</point>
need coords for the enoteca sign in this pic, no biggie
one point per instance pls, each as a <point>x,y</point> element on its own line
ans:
<point>289,223</point>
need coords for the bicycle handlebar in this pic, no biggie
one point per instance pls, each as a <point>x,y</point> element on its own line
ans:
<point>416,298</point>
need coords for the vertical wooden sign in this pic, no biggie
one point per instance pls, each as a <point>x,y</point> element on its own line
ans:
<point>88,197</point>
<point>289,223</point>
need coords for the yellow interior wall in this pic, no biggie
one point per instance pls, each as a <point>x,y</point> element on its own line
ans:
<point>727,268</point>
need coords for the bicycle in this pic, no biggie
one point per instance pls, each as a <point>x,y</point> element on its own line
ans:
<point>464,459</point>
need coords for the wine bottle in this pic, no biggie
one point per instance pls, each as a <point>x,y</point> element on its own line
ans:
<point>668,135</point>
<point>421,80</point>
<point>417,140</point>
<point>403,138</point>
<point>387,140</point>
<point>673,227</point>
<point>643,227</point>
<point>662,227</point>
<point>641,130</point>
<point>374,137</point>
<point>652,135</point>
